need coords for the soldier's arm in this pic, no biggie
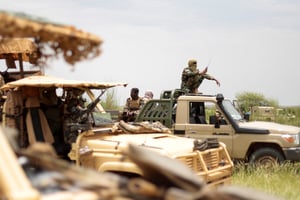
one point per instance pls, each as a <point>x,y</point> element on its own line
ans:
<point>209,77</point>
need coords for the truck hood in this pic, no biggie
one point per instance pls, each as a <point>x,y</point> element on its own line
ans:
<point>271,126</point>
<point>166,144</point>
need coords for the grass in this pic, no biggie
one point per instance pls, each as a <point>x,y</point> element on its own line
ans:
<point>289,115</point>
<point>283,181</point>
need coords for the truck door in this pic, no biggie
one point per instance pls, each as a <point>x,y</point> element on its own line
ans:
<point>207,121</point>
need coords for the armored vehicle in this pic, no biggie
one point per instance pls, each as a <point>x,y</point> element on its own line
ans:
<point>56,111</point>
<point>101,150</point>
<point>212,116</point>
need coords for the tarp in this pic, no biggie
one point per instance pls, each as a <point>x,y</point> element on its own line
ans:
<point>49,81</point>
<point>74,44</point>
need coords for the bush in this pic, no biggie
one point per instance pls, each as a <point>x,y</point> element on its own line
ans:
<point>110,102</point>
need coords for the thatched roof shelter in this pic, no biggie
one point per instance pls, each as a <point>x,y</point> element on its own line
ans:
<point>15,47</point>
<point>73,44</point>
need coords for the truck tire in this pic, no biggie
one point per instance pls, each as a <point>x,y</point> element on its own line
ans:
<point>266,157</point>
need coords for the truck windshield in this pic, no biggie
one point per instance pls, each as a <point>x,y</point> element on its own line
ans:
<point>230,109</point>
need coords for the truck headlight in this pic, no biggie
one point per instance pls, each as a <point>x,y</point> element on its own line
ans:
<point>291,138</point>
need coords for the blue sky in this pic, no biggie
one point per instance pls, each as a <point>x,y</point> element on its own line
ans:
<point>251,45</point>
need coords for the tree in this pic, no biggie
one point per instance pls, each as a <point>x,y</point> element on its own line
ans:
<point>247,100</point>
<point>110,102</point>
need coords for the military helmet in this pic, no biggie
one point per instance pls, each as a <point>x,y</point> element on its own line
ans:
<point>192,62</point>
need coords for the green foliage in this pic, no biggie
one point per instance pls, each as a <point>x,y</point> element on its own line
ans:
<point>247,100</point>
<point>281,180</point>
<point>283,115</point>
<point>110,102</point>
<point>289,115</point>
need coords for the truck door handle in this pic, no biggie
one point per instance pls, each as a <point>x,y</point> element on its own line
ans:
<point>220,133</point>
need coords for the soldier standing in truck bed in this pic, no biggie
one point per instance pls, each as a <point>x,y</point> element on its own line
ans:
<point>191,78</point>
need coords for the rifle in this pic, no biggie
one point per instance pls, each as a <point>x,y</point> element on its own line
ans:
<point>82,114</point>
<point>94,103</point>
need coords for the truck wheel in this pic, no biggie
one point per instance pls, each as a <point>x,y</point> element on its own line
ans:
<point>266,157</point>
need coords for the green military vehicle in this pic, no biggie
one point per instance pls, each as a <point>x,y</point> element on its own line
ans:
<point>211,116</point>
<point>56,111</point>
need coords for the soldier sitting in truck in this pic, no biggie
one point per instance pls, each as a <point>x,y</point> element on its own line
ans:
<point>132,106</point>
<point>217,119</point>
<point>74,114</point>
<point>147,96</point>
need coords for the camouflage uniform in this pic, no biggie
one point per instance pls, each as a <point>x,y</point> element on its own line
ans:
<point>132,106</point>
<point>191,79</point>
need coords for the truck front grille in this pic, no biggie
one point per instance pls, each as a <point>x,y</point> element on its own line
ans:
<point>192,161</point>
<point>212,164</point>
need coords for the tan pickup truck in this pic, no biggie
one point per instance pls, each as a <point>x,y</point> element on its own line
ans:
<point>212,116</point>
<point>56,111</point>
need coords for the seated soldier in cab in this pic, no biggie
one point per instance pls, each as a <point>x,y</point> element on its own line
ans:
<point>217,119</point>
